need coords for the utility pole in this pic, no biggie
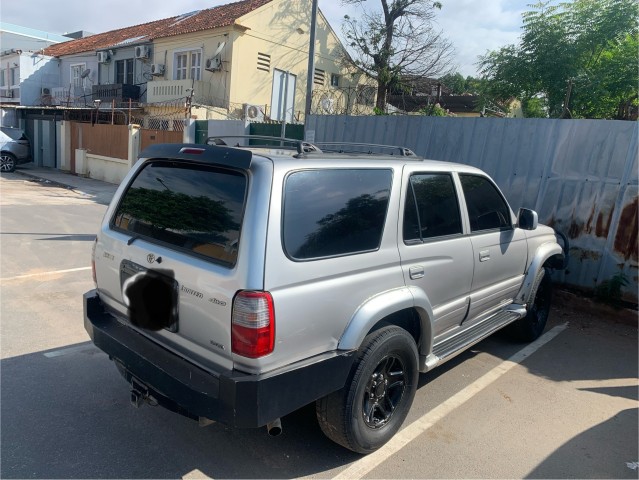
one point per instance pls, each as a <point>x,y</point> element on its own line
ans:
<point>311,61</point>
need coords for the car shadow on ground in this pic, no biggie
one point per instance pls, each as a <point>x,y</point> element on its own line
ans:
<point>68,416</point>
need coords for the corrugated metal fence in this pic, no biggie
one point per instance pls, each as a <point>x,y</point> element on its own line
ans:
<point>579,175</point>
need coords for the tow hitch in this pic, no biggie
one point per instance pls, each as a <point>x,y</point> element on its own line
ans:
<point>140,394</point>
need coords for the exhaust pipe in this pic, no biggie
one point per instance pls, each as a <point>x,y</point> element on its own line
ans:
<point>274,428</point>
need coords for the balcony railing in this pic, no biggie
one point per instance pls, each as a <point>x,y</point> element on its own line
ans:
<point>76,96</point>
<point>172,90</point>
<point>10,95</point>
<point>119,92</point>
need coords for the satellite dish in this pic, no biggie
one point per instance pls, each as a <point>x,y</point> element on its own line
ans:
<point>327,105</point>
<point>85,73</point>
<point>219,49</point>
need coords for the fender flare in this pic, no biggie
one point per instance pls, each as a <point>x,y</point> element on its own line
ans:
<point>543,253</point>
<point>382,305</point>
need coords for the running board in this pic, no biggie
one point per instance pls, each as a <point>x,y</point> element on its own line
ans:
<point>478,332</point>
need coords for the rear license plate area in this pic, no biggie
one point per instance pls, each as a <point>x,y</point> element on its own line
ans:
<point>167,295</point>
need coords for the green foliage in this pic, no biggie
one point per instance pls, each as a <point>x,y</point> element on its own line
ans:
<point>455,82</point>
<point>580,57</point>
<point>534,108</point>
<point>434,110</point>
<point>609,291</point>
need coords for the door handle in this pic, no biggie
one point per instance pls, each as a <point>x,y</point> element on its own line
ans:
<point>416,272</point>
<point>484,255</point>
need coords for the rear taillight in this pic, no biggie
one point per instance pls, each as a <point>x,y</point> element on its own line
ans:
<point>253,324</point>
<point>95,278</point>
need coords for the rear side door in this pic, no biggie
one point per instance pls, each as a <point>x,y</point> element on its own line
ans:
<point>499,248</point>
<point>436,256</point>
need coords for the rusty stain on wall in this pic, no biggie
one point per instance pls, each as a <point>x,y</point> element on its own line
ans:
<point>588,228</point>
<point>602,230</point>
<point>626,238</point>
<point>574,230</point>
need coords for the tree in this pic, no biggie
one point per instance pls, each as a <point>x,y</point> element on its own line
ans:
<point>396,42</point>
<point>574,59</point>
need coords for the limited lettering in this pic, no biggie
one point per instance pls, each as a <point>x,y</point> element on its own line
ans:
<point>190,291</point>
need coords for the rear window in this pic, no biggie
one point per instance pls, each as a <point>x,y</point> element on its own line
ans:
<point>13,133</point>
<point>334,212</point>
<point>197,209</point>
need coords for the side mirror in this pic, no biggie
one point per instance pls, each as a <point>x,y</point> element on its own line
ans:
<point>527,219</point>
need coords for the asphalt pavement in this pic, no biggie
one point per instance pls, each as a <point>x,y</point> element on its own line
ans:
<point>563,407</point>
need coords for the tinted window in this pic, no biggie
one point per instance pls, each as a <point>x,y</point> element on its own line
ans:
<point>334,212</point>
<point>431,207</point>
<point>195,208</point>
<point>13,133</point>
<point>486,207</point>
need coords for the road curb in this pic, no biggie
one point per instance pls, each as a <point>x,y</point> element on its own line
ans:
<point>40,179</point>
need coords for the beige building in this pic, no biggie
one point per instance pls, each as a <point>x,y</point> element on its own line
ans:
<point>243,60</point>
<point>254,65</point>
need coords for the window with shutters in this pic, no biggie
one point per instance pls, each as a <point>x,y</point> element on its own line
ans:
<point>188,65</point>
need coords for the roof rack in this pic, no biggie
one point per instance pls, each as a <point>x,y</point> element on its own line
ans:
<point>303,147</point>
<point>300,145</point>
<point>345,147</point>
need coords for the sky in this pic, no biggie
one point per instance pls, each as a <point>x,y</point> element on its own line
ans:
<point>473,26</point>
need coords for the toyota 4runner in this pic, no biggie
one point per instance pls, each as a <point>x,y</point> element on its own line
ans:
<point>239,284</point>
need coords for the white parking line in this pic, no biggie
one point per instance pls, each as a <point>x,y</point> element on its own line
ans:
<point>44,274</point>
<point>66,351</point>
<point>363,466</point>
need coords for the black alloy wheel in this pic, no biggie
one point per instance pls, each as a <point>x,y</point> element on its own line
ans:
<point>383,392</point>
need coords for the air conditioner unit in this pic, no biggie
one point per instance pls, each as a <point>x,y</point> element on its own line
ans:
<point>45,91</point>
<point>157,69</point>
<point>253,113</point>
<point>103,57</point>
<point>213,64</point>
<point>142,52</point>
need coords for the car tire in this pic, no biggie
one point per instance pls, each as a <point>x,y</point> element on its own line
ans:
<point>371,407</point>
<point>7,162</point>
<point>533,324</point>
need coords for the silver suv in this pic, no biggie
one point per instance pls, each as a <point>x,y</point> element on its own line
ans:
<point>15,148</point>
<point>240,284</point>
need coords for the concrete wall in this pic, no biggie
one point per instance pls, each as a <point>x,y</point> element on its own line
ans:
<point>107,169</point>
<point>580,175</point>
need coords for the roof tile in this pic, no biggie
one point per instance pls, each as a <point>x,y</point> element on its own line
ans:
<point>206,19</point>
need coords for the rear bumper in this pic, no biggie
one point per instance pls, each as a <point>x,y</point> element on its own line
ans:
<point>231,397</point>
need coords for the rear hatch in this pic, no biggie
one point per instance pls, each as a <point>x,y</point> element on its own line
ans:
<point>182,218</point>
<point>21,144</point>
